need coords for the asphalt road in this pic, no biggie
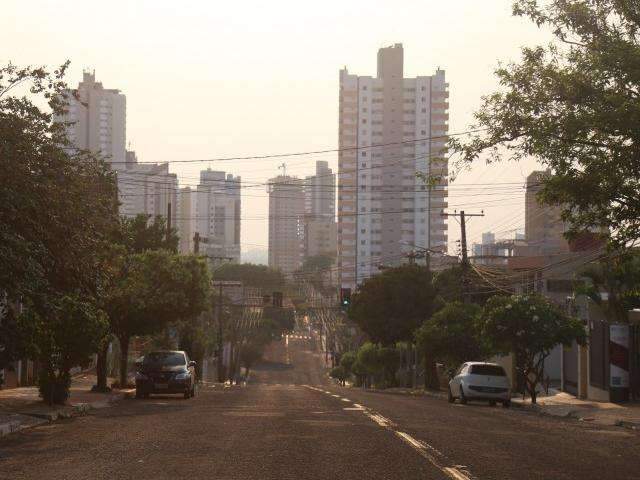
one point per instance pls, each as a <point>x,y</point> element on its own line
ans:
<point>290,423</point>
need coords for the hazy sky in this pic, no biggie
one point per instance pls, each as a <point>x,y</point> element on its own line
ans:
<point>210,79</point>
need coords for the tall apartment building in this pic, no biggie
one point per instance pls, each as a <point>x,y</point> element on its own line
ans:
<point>390,127</point>
<point>99,119</point>
<point>185,219</point>
<point>218,211</point>
<point>320,192</point>
<point>147,188</point>
<point>320,229</point>
<point>544,228</point>
<point>286,223</point>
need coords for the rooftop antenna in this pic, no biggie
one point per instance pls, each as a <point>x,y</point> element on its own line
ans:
<point>283,166</point>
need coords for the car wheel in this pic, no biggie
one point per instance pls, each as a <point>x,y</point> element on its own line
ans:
<point>492,403</point>
<point>463,399</point>
<point>506,403</point>
<point>450,397</point>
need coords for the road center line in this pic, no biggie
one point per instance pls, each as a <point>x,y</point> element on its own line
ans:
<point>435,457</point>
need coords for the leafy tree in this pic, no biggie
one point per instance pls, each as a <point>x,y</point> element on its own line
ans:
<point>251,275</point>
<point>250,354</point>
<point>619,278</point>
<point>573,104</point>
<point>449,285</point>
<point>340,374</point>
<point>139,234</point>
<point>377,362</point>
<point>450,336</point>
<point>390,306</point>
<point>65,338</point>
<point>57,211</point>
<point>283,318</point>
<point>529,326</point>
<point>154,289</point>
<point>347,360</point>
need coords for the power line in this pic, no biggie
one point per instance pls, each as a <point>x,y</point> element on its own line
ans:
<point>315,152</point>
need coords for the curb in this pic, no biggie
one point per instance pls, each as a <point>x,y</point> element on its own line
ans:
<point>10,427</point>
<point>76,410</point>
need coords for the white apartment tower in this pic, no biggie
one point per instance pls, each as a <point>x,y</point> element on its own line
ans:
<point>286,223</point>
<point>218,208</point>
<point>99,120</point>
<point>147,188</point>
<point>390,127</point>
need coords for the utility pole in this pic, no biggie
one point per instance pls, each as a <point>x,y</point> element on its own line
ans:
<point>168,221</point>
<point>463,244</point>
<point>218,318</point>
<point>196,243</point>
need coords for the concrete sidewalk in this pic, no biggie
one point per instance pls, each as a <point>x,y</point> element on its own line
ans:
<point>561,404</point>
<point>22,408</point>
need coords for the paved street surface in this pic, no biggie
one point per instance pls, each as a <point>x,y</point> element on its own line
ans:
<point>290,423</point>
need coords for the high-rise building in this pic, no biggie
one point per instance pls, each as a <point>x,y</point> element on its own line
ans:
<point>98,120</point>
<point>218,211</point>
<point>320,192</point>
<point>147,188</point>
<point>286,223</point>
<point>390,127</point>
<point>185,219</point>
<point>320,230</point>
<point>544,228</point>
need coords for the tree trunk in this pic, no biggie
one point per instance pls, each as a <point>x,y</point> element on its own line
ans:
<point>124,359</point>
<point>430,374</point>
<point>101,369</point>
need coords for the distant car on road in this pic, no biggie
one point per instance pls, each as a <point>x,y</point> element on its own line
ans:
<point>480,381</point>
<point>167,371</point>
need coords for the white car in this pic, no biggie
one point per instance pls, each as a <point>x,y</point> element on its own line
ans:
<point>480,381</point>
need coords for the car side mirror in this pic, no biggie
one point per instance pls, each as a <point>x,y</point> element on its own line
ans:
<point>192,364</point>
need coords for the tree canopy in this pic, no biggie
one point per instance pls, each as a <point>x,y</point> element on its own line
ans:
<point>390,306</point>
<point>574,105</point>
<point>451,335</point>
<point>58,210</point>
<point>251,275</point>
<point>529,326</point>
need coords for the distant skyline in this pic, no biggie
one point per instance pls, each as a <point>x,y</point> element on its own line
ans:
<point>211,81</point>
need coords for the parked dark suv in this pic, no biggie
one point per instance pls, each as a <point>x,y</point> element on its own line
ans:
<point>167,371</point>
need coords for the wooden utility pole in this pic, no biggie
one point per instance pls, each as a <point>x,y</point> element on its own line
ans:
<point>463,244</point>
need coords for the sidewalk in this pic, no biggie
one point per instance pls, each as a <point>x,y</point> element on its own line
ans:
<point>561,404</point>
<point>22,408</point>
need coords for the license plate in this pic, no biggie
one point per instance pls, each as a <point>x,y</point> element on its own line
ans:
<point>161,386</point>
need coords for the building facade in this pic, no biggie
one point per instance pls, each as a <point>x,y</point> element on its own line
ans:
<point>286,223</point>
<point>390,127</point>
<point>544,228</point>
<point>147,188</point>
<point>98,120</point>
<point>185,219</point>
<point>218,212</point>
<point>320,229</point>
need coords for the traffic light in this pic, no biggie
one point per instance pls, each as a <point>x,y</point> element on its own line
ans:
<point>345,297</point>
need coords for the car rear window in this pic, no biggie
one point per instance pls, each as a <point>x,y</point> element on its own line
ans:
<point>491,370</point>
<point>168,359</point>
